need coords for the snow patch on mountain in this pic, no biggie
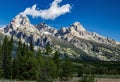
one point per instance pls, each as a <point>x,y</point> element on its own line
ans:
<point>47,33</point>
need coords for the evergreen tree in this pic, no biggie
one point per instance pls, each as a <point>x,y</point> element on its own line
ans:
<point>7,58</point>
<point>11,43</point>
<point>39,53</point>
<point>46,69</point>
<point>67,69</point>
<point>57,62</point>
<point>19,48</point>
<point>24,49</point>
<point>40,67</point>
<point>48,50</point>
<point>15,66</point>
<point>1,70</point>
<point>17,62</point>
<point>49,71</point>
<point>28,67</point>
<point>10,49</point>
<point>31,46</point>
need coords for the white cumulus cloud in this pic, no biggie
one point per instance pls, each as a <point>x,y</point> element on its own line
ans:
<point>54,11</point>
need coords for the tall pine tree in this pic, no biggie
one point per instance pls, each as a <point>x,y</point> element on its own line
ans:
<point>57,62</point>
<point>1,70</point>
<point>17,61</point>
<point>31,46</point>
<point>7,58</point>
<point>39,67</point>
<point>27,66</point>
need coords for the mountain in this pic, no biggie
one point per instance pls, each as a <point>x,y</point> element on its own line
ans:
<point>75,41</point>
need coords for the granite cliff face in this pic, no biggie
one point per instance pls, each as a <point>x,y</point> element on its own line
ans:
<point>74,41</point>
<point>77,30</point>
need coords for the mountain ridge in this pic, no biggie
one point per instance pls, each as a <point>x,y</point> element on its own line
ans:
<point>89,43</point>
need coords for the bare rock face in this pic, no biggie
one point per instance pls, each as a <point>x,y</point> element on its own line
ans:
<point>78,31</point>
<point>21,27</point>
<point>78,27</point>
<point>19,23</point>
<point>90,43</point>
<point>45,29</point>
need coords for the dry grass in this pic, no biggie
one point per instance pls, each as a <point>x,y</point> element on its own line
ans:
<point>96,80</point>
<point>106,80</point>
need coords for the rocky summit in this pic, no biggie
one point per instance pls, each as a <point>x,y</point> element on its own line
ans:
<point>75,41</point>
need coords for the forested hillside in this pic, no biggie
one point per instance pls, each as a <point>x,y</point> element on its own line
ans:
<point>43,65</point>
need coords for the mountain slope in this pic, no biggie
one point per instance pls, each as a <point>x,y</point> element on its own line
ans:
<point>75,42</point>
<point>78,31</point>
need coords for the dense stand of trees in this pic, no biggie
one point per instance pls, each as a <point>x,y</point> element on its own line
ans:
<point>28,64</point>
<point>45,66</point>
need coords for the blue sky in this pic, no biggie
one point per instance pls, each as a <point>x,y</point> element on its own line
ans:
<point>101,16</point>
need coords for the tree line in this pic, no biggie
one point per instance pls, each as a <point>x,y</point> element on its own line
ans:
<point>30,64</point>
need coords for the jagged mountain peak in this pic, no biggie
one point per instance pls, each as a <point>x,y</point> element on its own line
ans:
<point>20,25</point>
<point>46,29</point>
<point>20,19</point>
<point>43,25</point>
<point>77,26</point>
